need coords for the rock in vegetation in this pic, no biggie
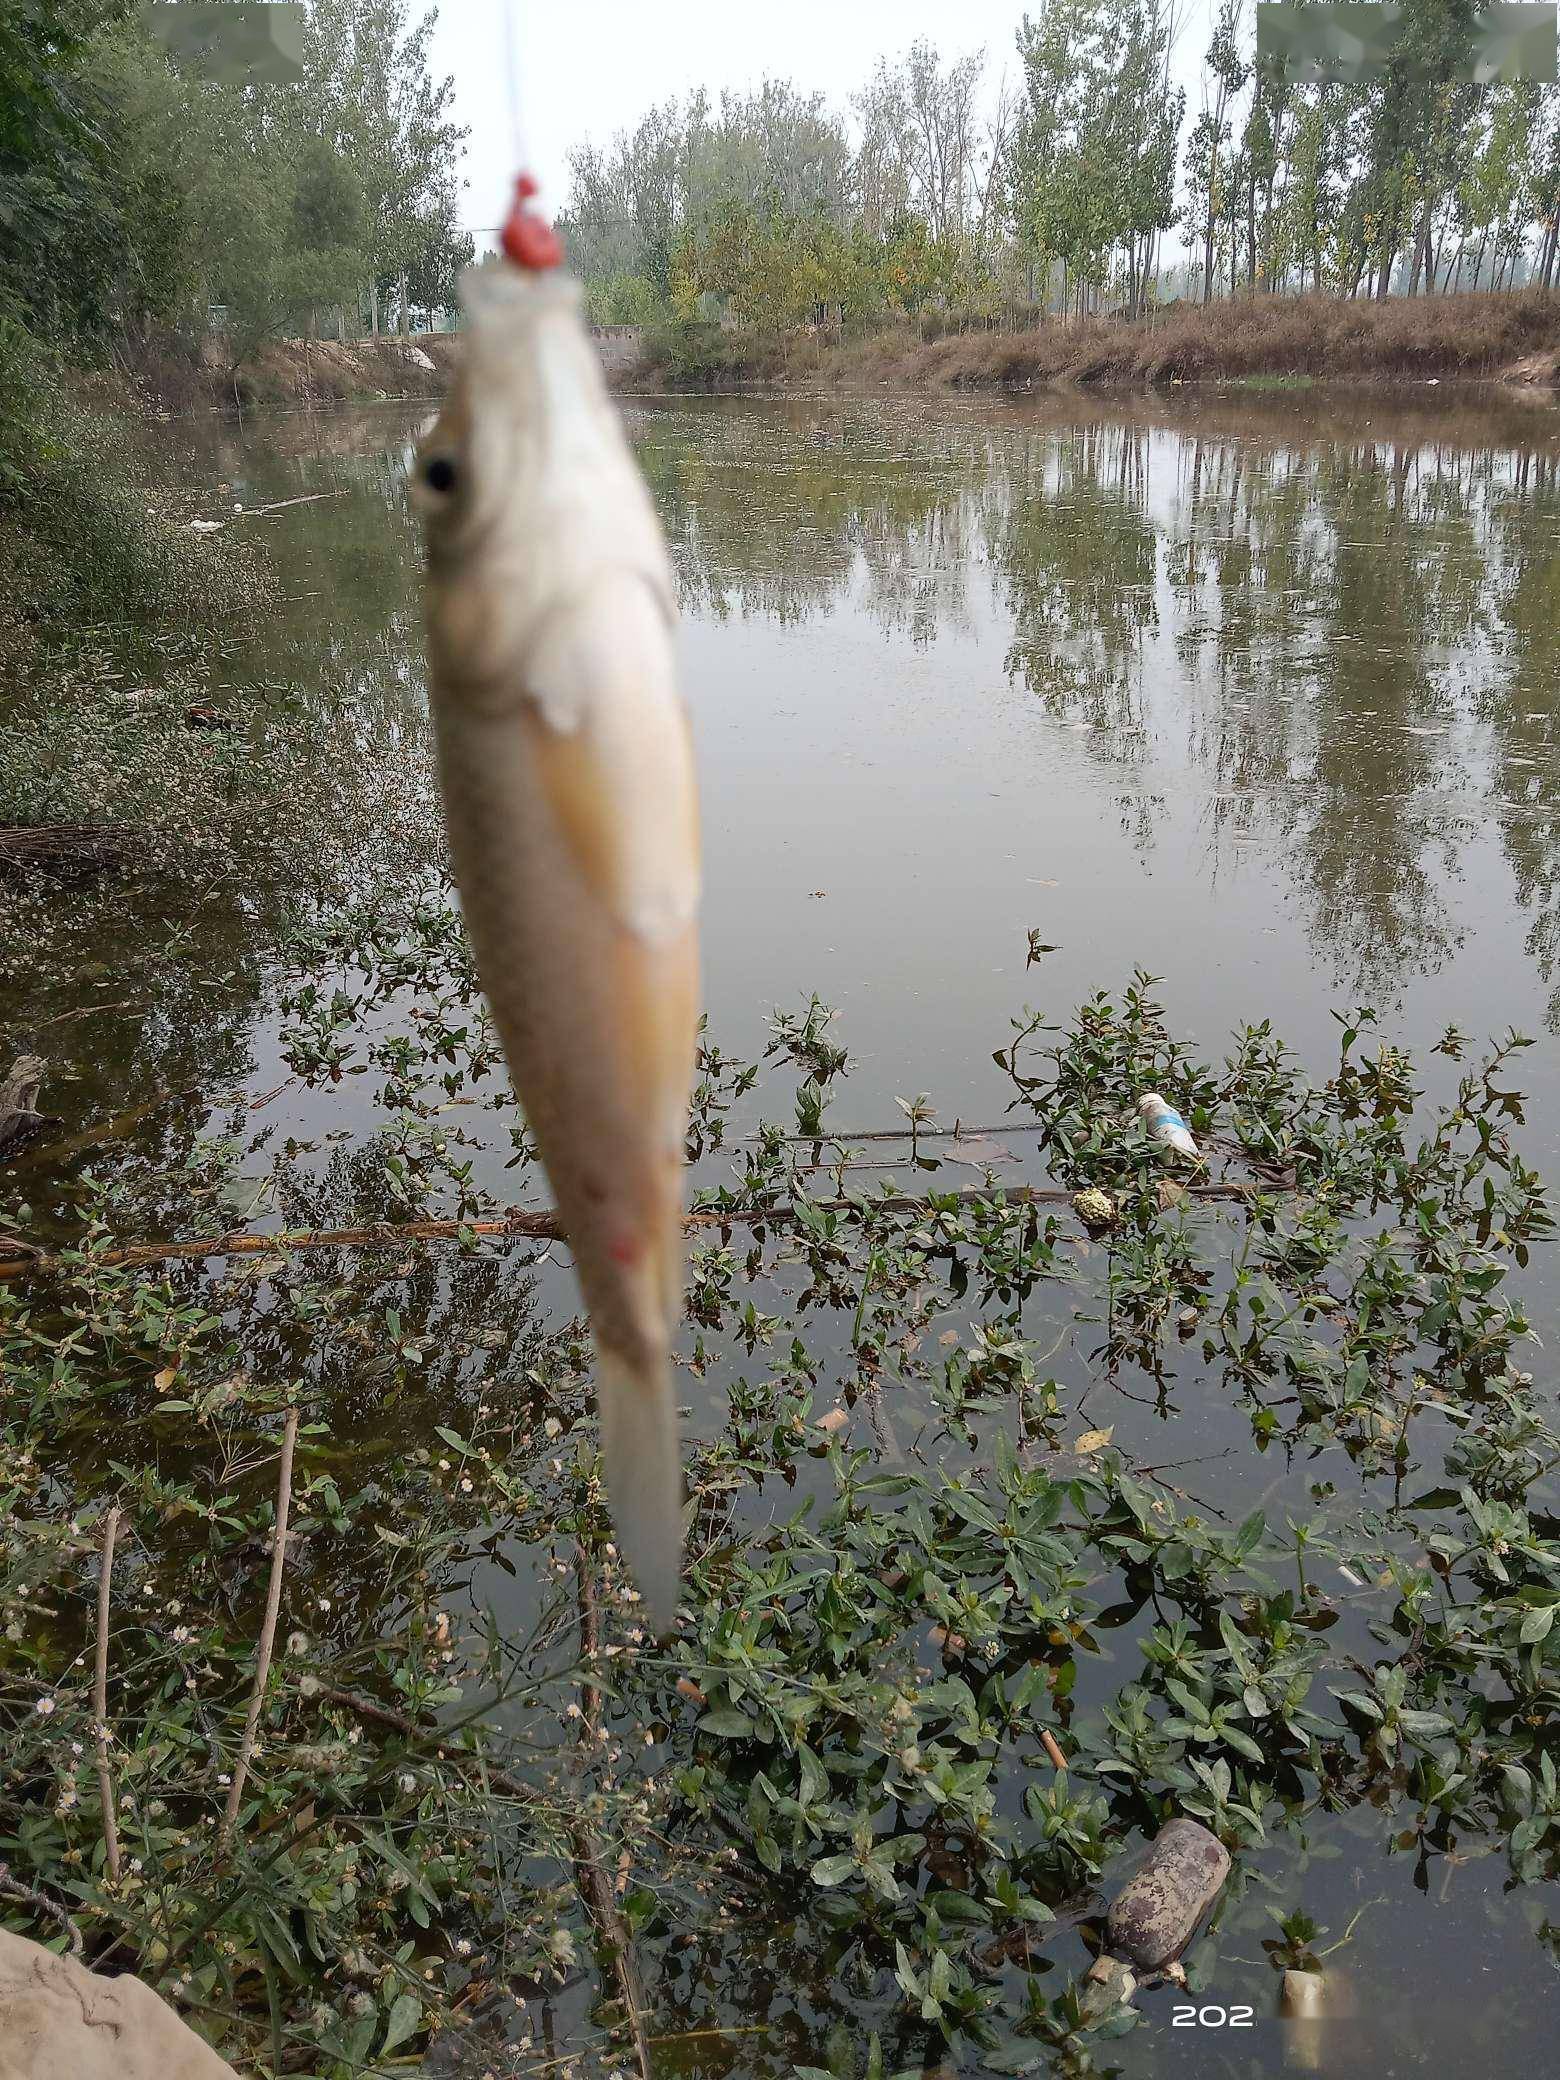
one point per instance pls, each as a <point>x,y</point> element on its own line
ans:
<point>58,2021</point>
<point>1111,1984</point>
<point>1156,1913</point>
<point>1096,1209</point>
<point>20,1119</point>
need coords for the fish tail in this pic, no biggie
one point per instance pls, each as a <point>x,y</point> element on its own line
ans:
<point>639,1449</point>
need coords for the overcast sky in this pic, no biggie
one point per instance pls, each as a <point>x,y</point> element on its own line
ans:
<point>591,67</point>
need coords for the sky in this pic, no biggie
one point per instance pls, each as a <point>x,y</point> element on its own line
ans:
<point>592,67</point>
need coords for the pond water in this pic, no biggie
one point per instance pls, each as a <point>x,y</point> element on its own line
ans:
<point>1262,696</point>
<point>997,702</point>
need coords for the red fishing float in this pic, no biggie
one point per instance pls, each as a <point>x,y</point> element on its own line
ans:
<point>528,239</point>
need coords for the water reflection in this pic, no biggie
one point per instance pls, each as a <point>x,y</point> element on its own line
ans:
<point>1260,694</point>
<point>1337,626</point>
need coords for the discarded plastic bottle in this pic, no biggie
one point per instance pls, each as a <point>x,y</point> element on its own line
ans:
<point>1162,1123</point>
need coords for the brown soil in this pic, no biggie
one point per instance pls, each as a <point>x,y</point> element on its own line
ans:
<point>173,376</point>
<point>1512,337</point>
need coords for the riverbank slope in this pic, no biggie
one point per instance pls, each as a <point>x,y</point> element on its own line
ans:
<point>173,376</point>
<point>1510,337</point>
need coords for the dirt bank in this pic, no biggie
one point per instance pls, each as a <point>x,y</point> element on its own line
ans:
<point>1506,337</point>
<point>172,376</point>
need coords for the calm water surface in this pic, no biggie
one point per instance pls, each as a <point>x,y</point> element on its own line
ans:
<point>1262,696</point>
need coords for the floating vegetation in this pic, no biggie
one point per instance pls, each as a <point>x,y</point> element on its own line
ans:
<point>956,1641</point>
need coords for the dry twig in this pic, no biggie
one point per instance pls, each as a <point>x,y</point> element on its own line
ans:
<point>100,1696</point>
<point>595,1885</point>
<point>29,1896</point>
<point>381,1715</point>
<point>547,1226</point>
<point>273,1604</point>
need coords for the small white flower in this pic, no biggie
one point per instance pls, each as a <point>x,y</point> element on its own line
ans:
<point>463,1946</point>
<point>407,1781</point>
<point>44,1707</point>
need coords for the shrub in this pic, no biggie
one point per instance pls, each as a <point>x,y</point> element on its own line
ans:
<point>86,535</point>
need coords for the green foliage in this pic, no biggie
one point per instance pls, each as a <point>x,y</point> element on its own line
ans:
<point>858,1702</point>
<point>851,1722</point>
<point>698,353</point>
<point>87,537</point>
<point>133,198</point>
<point>953,203</point>
<point>67,251</point>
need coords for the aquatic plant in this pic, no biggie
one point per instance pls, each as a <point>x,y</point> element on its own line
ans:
<point>917,1581</point>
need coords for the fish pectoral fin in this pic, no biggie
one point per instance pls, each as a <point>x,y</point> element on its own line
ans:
<point>613,755</point>
<point>639,1449</point>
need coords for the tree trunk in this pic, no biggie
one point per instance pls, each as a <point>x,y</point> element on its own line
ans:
<point>1478,265</point>
<point>373,306</point>
<point>1421,250</point>
<point>402,314</point>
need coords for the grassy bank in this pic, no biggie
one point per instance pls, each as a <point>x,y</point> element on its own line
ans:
<point>1513,338</point>
<point>139,749</point>
<point>93,543</point>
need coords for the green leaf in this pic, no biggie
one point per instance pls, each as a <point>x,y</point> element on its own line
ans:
<point>833,1870</point>
<point>1358,1701</point>
<point>728,1724</point>
<point>1424,1723</point>
<point>405,2019</point>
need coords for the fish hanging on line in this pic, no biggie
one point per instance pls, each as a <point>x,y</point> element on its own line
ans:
<point>570,800</point>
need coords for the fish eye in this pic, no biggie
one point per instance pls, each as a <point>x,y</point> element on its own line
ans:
<point>439,473</point>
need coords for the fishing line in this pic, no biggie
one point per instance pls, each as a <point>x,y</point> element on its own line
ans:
<point>518,157</point>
